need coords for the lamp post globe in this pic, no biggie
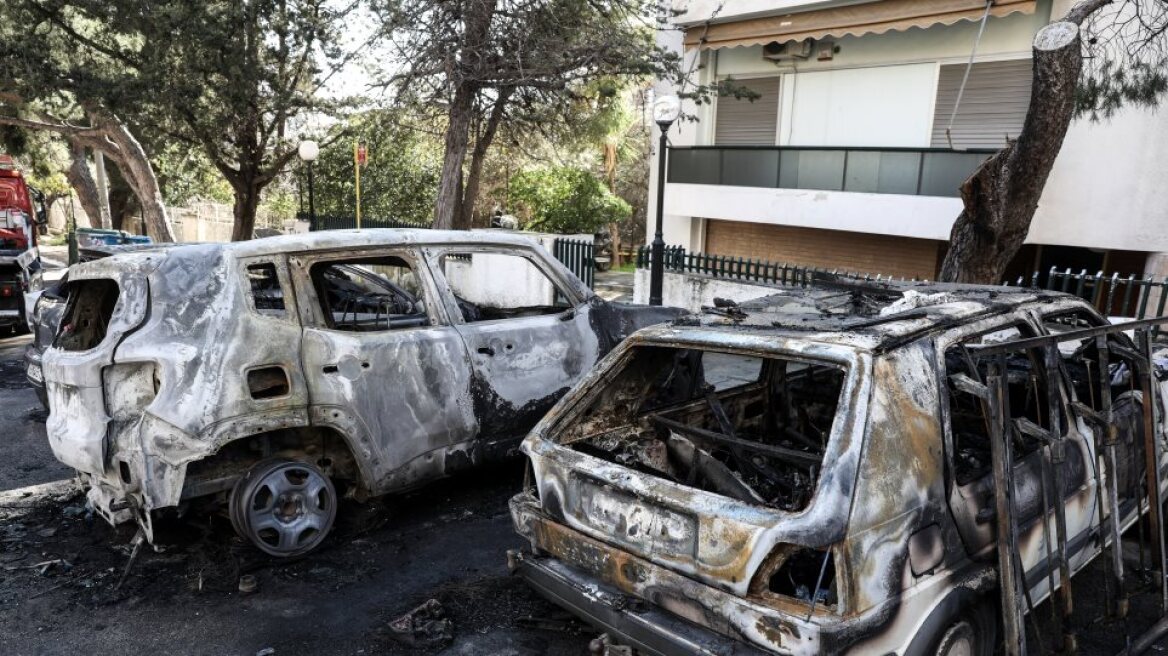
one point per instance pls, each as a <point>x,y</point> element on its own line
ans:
<point>308,151</point>
<point>666,110</point>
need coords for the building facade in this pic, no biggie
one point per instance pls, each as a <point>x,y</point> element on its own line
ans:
<point>863,124</point>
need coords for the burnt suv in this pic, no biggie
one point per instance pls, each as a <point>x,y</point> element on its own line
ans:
<point>263,373</point>
<point>814,472</point>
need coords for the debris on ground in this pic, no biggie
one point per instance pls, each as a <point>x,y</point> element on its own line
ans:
<point>248,584</point>
<point>423,626</point>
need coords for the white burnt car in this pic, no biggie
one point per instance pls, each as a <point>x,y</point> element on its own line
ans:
<point>265,373</point>
<point>813,472</point>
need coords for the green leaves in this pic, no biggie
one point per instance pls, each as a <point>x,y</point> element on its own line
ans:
<point>566,200</point>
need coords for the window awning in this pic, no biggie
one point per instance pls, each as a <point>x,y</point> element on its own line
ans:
<point>854,20</point>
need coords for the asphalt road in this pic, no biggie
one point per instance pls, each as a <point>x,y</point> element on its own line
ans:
<point>447,542</point>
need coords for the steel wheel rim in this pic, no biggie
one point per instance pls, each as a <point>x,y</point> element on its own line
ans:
<point>285,509</point>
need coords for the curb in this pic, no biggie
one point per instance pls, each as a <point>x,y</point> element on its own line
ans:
<point>66,487</point>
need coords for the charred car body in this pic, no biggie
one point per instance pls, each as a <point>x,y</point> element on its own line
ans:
<point>812,472</point>
<point>264,371</point>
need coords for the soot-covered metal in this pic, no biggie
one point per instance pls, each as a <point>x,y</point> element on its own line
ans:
<point>811,472</point>
<point>376,359</point>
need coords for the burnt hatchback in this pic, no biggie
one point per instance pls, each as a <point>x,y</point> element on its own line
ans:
<point>812,472</point>
<point>271,376</point>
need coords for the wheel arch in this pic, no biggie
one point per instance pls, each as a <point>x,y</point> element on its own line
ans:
<point>325,446</point>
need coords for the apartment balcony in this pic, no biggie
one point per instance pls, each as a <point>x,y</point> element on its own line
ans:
<point>903,171</point>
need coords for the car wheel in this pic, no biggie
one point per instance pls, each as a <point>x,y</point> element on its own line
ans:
<point>974,633</point>
<point>284,507</point>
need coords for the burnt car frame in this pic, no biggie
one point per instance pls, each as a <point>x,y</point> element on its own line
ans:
<point>841,495</point>
<point>265,373</point>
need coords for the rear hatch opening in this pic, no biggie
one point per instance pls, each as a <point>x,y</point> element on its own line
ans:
<point>87,317</point>
<point>747,427</point>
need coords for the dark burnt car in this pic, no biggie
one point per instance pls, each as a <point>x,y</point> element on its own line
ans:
<point>265,375</point>
<point>812,472</point>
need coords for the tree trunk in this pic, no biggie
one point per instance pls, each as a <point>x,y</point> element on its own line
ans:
<point>470,192</point>
<point>1002,194</point>
<point>247,203</point>
<point>610,164</point>
<point>457,135</point>
<point>81,179</point>
<point>136,169</point>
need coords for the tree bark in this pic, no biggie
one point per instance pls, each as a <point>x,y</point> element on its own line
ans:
<point>81,179</point>
<point>139,175</point>
<point>1002,194</point>
<point>247,203</point>
<point>470,192</point>
<point>457,135</point>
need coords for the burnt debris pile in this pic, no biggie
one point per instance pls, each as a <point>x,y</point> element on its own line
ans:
<point>750,428</point>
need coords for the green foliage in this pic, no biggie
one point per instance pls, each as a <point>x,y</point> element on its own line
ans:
<point>398,182</point>
<point>566,200</point>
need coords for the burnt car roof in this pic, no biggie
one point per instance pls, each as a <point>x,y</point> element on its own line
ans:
<point>869,315</point>
<point>370,237</point>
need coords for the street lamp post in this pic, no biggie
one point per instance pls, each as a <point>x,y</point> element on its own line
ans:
<point>308,151</point>
<point>665,111</point>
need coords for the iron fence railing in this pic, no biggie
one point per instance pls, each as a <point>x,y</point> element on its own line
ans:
<point>1114,295</point>
<point>908,171</point>
<point>578,255</point>
<point>745,269</point>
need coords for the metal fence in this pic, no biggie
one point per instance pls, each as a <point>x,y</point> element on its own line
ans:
<point>745,269</point>
<point>1112,294</point>
<point>578,255</point>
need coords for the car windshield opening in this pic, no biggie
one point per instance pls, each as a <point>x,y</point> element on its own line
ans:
<point>752,428</point>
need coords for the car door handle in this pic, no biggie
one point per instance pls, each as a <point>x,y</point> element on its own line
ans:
<point>486,350</point>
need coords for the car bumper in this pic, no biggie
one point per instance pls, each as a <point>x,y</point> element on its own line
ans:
<point>645,628</point>
<point>667,611</point>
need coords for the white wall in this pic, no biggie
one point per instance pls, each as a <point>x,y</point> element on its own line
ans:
<point>692,291</point>
<point>1109,186</point>
<point>925,217</point>
<point>853,107</point>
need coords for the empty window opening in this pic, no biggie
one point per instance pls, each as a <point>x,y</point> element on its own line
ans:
<point>370,294</point>
<point>1080,360</point>
<point>801,573</point>
<point>490,286</point>
<point>266,293</point>
<point>91,307</point>
<point>751,428</point>
<point>1027,400</point>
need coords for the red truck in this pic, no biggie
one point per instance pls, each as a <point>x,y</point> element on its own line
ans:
<point>21,211</point>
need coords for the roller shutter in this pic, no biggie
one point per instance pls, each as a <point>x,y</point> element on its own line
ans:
<point>741,122</point>
<point>992,108</point>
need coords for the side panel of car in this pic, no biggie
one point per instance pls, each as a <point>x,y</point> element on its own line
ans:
<point>403,390</point>
<point>528,347</point>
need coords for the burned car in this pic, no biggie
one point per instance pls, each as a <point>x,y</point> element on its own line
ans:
<point>814,472</point>
<point>274,375</point>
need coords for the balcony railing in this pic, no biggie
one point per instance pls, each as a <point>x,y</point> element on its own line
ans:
<point>911,171</point>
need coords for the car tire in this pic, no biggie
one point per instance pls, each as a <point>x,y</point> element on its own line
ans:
<point>284,507</point>
<point>973,633</point>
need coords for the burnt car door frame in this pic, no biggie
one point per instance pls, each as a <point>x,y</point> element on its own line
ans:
<point>400,394</point>
<point>1074,436</point>
<point>520,365</point>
